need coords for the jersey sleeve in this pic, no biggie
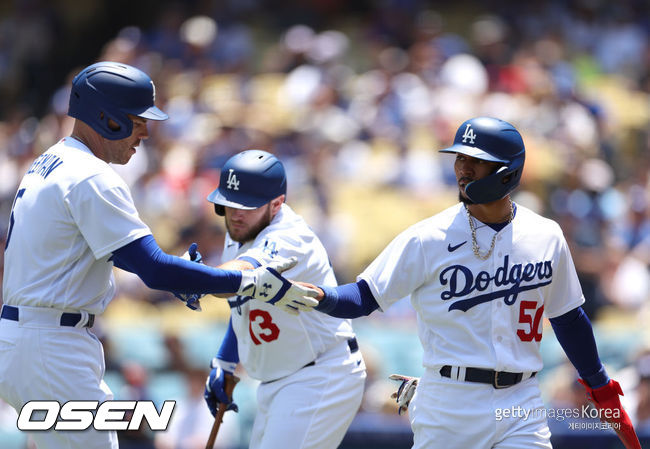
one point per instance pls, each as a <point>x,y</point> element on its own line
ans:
<point>228,355</point>
<point>269,248</point>
<point>103,209</point>
<point>565,292</point>
<point>398,270</point>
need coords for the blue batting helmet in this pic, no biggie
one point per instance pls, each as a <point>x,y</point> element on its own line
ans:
<point>248,180</point>
<point>491,139</point>
<point>111,90</point>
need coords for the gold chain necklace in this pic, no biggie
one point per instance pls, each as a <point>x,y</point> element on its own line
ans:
<point>477,251</point>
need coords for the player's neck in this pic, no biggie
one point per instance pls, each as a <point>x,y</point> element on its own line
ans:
<point>85,135</point>
<point>494,212</point>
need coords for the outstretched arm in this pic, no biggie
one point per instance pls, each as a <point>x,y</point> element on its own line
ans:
<point>345,301</point>
<point>236,264</point>
<point>161,271</point>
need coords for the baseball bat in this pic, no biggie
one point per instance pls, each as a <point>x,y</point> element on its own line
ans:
<point>229,386</point>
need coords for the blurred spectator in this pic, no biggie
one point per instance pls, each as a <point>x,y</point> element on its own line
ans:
<point>176,359</point>
<point>135,389</point>
<point>27,35</point>
<point>192,422</point>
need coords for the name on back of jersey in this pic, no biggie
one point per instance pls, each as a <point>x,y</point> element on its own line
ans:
<point>44,164</point>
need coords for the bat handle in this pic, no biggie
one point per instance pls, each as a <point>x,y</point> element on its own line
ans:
<point>229,386</point>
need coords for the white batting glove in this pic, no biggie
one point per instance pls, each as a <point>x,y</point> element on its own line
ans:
<point>405,392</point>
<point>267,284</point>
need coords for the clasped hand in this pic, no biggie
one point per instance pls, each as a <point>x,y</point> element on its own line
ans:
<point>267,284</point>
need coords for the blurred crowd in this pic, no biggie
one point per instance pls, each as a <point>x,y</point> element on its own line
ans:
<point>356,104</point>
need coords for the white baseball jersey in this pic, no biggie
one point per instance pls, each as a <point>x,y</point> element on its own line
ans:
<point>272,343</point>
<point>70,213</point>
<point>472,312</point>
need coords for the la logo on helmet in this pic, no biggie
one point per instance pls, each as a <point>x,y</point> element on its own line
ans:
<point>233,182</point>
<point>469,134</point>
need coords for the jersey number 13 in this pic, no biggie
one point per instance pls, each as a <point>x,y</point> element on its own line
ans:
<point>262,327</point>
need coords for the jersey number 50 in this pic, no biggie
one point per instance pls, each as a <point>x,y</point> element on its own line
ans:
<point>528,315</point>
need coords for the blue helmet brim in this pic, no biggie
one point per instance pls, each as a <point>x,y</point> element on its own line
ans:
<point>153,113</point>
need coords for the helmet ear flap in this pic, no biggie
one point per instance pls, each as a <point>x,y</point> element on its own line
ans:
<point>497,185</point>
<point>506,179</point>
<point>122,120</point>
<point>219,210</point>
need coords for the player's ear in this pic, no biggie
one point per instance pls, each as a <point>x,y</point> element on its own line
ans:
<point>276,204</point>
<point>113,125</point>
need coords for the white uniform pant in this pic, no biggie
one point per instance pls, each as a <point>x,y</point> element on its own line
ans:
<point>452,414</point>
<point>41,360</point>
<point>313,407</point>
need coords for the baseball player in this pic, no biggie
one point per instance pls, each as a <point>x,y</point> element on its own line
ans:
<point>72,220</point>
<point>311,371</point>
<point>481,275</point>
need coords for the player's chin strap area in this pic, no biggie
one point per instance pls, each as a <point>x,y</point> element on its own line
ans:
<point>498,379</point>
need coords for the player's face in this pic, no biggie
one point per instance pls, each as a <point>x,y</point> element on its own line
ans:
<point>470,169</point>
<point>244,225</point>
<point>120,151</point>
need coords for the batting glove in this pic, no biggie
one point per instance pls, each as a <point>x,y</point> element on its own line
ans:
<point>267,284</point>
<point>191,300</point>
<point>606,400</point>
<point>405,392</point>
<point>214,393</point>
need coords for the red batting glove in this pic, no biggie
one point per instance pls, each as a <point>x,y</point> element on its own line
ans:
<point>606,400</point>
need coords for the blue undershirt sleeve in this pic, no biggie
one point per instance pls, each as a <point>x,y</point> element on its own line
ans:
<point>348,300</point>
<point>576,336</point>
<point>161,271</point>
<point>228,354</point>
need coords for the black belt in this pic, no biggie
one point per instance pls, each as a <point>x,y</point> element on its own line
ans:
<point>67,318</point>
<point>498,379</point>
<point>352,344</point>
